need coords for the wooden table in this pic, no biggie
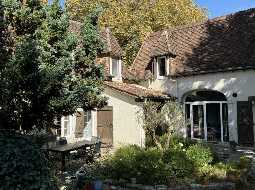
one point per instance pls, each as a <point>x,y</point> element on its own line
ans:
<point>65,149</point>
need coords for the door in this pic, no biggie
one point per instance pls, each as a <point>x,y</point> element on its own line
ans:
<point>245,123</point>
<point>105,125</point>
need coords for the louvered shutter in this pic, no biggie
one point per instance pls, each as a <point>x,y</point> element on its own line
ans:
<point>80,124</point>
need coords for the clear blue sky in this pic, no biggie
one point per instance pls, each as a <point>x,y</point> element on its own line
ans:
<point>222,7</point>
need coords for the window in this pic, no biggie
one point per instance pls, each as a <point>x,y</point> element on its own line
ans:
<point>162,67</point>
<point>115,69</point>
<point>83,124</point>
<point>57,123</point>
<point>87,118</point>
<point>66,125</point>
<point>87,124</point>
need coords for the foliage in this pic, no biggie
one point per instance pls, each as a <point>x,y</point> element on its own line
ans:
<point>23,166</point>
<point>200,155</point>
<point>131,20</point>
<point>134,162</point>
<point>148,166</point>
<point>48,74</point>
<point>179,165</point>
<point>190,162</point>
<point>245,162</point>
<point>161,119</point>
<point>210,173</point>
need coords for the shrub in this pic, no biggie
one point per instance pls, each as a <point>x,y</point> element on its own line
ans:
<point>149,166</point>
<point>209,173</point>
<point>178,141</point>
<point>123,161</point>
<point>133,162</point>
<point>23,166</point>
<point>200,155</point>
<point>244,162</point>
<point>177,163</point>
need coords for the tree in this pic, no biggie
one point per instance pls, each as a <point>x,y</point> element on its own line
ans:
<point>51,72</point>
<point>132,20</point>
<point>162,119</point>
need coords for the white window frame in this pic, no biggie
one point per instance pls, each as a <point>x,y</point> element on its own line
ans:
<point>119,69</point>
<point>166,67</point>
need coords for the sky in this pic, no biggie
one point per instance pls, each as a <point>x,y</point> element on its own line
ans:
<point>223,7</point>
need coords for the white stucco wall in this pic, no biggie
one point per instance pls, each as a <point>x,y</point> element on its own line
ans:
<point>240,82</point>
<point>126,123</point>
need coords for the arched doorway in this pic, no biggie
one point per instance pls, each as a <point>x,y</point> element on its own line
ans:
<point>206,113</point>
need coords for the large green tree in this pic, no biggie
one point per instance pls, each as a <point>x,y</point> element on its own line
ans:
<point>51,72</point>
<point>132,20</point>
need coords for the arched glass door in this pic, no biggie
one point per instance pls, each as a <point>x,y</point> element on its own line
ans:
<point>207,116</point>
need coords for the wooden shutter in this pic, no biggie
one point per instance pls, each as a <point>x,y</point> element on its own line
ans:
<point>80,124</point>
<point>245,123</point>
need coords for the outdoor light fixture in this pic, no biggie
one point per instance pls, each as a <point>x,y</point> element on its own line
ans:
<point>234,95</point>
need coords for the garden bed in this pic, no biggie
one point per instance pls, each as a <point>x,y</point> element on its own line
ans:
<point>178,166</point>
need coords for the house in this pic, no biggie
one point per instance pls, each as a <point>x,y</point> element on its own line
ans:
<point>209,67</point>
<point>118,122</point>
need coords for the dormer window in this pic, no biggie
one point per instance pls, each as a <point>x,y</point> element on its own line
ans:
<point>162,67</point>
<point>115,69</point>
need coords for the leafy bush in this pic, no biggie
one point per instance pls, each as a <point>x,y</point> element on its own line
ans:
<point>244,162</point>
<point>200,155</point>
<point>23,166</point>
<point>149,166</point>
<point>177,163</point>
<point>123,161</point>
<point>135,162</point>
<point>210,173</point>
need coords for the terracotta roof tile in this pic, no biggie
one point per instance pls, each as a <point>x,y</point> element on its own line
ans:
<point>136,90</point>
<point>223,44</point>
<point>111,44</point>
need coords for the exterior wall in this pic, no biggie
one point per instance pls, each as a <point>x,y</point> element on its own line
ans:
<point>126,124</point>
<point>240,82</point>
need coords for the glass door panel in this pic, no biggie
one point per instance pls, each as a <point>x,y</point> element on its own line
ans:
<point>213,121</point>
<point>198,121</point>
<point>225,122</point>
<point>187,120</point>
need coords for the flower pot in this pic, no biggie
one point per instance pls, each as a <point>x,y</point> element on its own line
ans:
<point>98,185</point>
<point>88,187</point>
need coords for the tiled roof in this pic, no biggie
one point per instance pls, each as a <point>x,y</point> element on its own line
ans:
<point>136,90</point>
<point>222,44</point>
<point>111,44</point>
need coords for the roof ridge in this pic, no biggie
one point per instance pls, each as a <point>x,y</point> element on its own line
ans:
<point>193,24</point>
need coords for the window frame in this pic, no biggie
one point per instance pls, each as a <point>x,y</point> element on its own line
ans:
<point>158,67</point>
<point>119,68</point>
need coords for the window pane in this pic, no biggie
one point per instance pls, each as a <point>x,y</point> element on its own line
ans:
<point>114,67</point>
<point>88,124</point>
<point>162,66</point>
<point>66,125</point>
<point>57,123</point>
<point>198,121</point>
<point>187,119</point>
<point>225,122</point>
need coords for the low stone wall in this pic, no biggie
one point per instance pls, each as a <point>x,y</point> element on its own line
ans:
<point>129,186</point>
